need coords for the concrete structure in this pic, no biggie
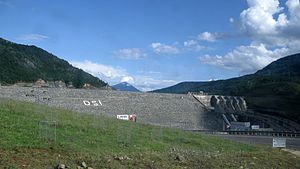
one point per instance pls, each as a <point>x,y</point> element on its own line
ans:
<point>234,108</point>
<point>170,110</point>
<point>190,112</point>
<point>227,106</point>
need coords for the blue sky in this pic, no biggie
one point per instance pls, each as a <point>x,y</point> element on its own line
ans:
<point>157,43</point>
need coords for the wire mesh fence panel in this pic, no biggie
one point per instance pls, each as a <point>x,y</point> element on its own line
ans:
<point>124,134</point>
<point>5,124</point>
<point>102,124</point>
<point>157,133</point>
<point>48,131</point>
<point>48,123</point>
<point>97,128</point>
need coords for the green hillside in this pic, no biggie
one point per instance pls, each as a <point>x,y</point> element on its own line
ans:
<point>274,89</point>
<point>23,63</point>
<point>287,66</point>
<point>35,136</point>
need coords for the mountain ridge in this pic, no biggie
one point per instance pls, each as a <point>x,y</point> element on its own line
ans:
<point>124,86</point>
<point>28,63</point>
<point>274,89</point>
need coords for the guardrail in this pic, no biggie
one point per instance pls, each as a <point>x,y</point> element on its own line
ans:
<point>252,133</point>
<point>277,123</point>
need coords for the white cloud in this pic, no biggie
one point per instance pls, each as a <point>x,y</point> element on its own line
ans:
<point>130,53</point>
<point>193,45</point>
<point>272,37</point>
<point>210,37</point>
<point>246,59</point>
<point>105,72</point>
<point>127,79</point>
<point>292,27</point>
<point>160,48</point>
<point>148,83</point>
<point>258,18</point>
<point>33,37</point>
<point>113,75</point>
<point>259,22</point>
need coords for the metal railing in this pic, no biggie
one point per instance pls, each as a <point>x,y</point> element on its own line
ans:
<point>252,133</point>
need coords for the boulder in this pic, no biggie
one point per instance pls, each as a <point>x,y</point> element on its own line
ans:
<point>179,158</point>
<point>83,164</point>
<point>61,166</point>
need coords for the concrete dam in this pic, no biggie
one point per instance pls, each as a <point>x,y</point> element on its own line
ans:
<point>226,106</point>
<point>237,117</point>
<point>193,111</point>
<point>169,110</point>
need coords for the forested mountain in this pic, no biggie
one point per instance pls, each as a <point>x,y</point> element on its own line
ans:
<point>23,63</point>
<point>275,89</point>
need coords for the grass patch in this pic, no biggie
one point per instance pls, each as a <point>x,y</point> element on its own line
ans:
<point>36,136</point>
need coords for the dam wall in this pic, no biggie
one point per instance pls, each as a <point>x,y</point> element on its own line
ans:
<point>169,110</point>
<point>228,104</point>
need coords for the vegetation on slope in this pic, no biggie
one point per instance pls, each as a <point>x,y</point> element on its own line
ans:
<point>30,139</point>
<point>274,89</point>
<point>23,63</point>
